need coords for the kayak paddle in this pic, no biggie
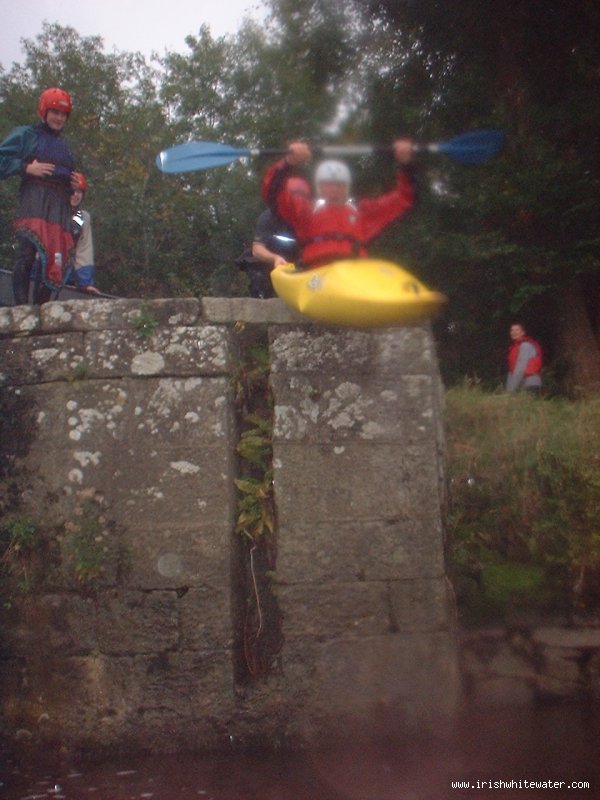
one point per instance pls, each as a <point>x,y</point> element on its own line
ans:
<point>475,147</point>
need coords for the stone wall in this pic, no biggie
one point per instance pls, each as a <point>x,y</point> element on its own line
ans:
<point>120,625</point>
<point>531,664</point>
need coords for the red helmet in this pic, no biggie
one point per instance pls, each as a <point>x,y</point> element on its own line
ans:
<point>54,98</point>
<point>80,177</point>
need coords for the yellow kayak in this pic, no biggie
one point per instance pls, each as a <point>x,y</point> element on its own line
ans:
<point>365,292</point>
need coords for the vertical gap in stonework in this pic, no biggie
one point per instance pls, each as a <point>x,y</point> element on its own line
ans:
<point>256,617</point>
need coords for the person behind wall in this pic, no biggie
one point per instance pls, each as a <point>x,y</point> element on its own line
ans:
<point>41,157</point>
<point>524,361</point>
<point>334,227</point>
<point>82,270</point>
<point>273,243</point>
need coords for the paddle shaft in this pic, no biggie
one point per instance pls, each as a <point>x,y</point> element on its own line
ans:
<point>467,148</point>
<point>350,150</point>
<point>328,150</point>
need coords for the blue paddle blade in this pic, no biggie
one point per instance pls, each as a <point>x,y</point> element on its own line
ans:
<point>475,147</point>
<point>191,156</point>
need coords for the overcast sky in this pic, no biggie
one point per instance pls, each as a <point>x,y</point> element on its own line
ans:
<point>125,25</point>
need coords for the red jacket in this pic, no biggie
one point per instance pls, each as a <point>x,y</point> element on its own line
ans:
<point>328,232</point>
<point>534,365</point>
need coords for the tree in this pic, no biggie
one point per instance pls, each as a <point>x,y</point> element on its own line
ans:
<point>258,89</point>
<point>532,68</point>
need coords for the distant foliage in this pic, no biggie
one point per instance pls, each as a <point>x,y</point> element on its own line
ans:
<point>158,235</point>
<point>525,502</point>
<point>517,236</point>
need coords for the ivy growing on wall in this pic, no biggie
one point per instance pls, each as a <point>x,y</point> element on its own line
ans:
<point>260,635</point>
<point>19,539</point>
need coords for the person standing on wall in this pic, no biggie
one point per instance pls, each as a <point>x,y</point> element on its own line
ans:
<point>273,243</point>
<point>82,270</point>
<point>524,361</point>
<point>41,157</point>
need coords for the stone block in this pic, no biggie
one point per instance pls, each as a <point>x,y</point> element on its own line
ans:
<point>172,351</point>
<point>405,351</point>
<point>579,638</point>
<point>184,686</point>
<point>562,664</point>
<point>41,625</point>
<point>350,682</point>
<point>549,687</point>
<point>508,664</point>
<point>146,452</point>
<point>133,623</point>
<point>40,359</point>
<point>19,319</point>
<point>249,311</point>
<point>384,351</point>
<point>353,480</point>
<point>400,547</point>
<point>322,407</point>
<point>145,700</point>
<point>205,618</point>
<point>179,557</point>
<point>503,691</point>
<point>181,412</point>
<point>193,486</point>
<point>75,694</point>
<point>315,349</point>
<point>117,314</point>
<point>421,605</point>
<point>351,610</point>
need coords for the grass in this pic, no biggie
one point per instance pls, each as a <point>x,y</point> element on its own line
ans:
<point>524,484</point>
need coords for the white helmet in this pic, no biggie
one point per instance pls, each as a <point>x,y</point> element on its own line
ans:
<point>334,171</point>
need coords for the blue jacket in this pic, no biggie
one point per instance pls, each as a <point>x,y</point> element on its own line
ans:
<point>16,149</point>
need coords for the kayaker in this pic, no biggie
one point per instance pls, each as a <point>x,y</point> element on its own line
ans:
<point>40,156</point>
<point>333,227</point>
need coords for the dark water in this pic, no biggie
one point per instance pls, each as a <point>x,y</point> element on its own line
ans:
<point>496,750</point>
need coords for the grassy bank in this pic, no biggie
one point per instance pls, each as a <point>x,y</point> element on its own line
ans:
<point>524,519</point>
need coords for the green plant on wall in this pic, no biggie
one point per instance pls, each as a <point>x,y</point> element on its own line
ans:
<point>256,519</point>
<point>18,542</point>
<point>145,323</point>
<point>89,547</point>
<point>256,511</point>
<point>85,551</point>
<point>255,445</point>
<point>256,514</point>
<point>81,372</point>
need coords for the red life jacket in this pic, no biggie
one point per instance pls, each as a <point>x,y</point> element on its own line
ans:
<point>329,232</point>
<point>534,365</point>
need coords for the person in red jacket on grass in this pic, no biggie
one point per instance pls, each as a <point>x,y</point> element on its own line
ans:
<point>524,361</point>
<point>333,227</point>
